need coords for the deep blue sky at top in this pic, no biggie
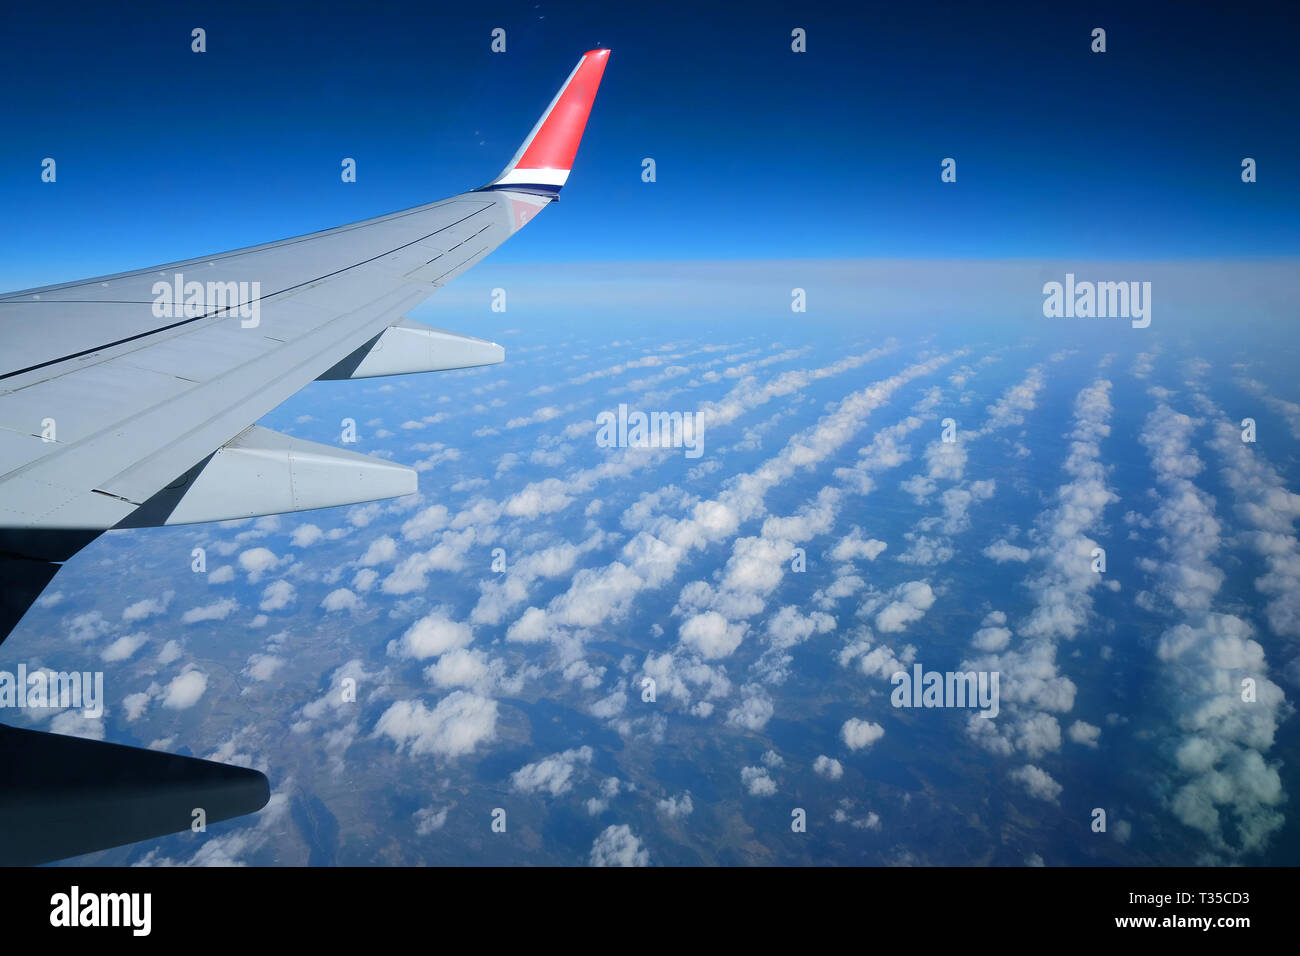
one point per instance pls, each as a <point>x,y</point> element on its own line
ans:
<point>761,153</point>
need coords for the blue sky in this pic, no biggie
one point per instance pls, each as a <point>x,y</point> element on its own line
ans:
<point>761,153</point>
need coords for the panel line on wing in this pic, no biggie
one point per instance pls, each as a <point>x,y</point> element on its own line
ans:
<point>229,311</point>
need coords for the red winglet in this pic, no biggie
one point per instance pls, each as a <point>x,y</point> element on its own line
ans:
<point>546,157</point>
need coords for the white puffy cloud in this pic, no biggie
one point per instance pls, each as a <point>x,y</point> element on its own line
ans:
<point>788,627</point>
<point>1002,551</point>
<point>757,782</point>
<point>185,690</point>
<point>945,460</point>
<point>711,635</point>
<point>447,555</point>
<point>910,602</point>
<point>618,846</point>
<point>456,726</point>
<point>828,767</point>
<point>681,676</point>
<point>991,639</point>
<point>1221,751</point>
<point>1037,782</point>
<point>257,561</point>
<point>277,596</point>
<point>381,551</point>
<point>854,546</point>
<point>1032,688</point>
<point>553,774</point>
<point>508,590</point>
<point>431,635</point>
<point>305,535</point>
<point>1081,732</point>
<point>462,667</point>
<point>217,611</point>
<point>262,667</point>
<point>675,808</point>
<point>135,705</point>
<point>429,820</point>
<point>341,599</point>
<point>427,523</point>
<point>858,734</point>
<point>222,575</point>
<point>148,607</point>
<point>1009,410</point>
<point>124,647</point>
<point>754,711</point>
<point>653,556</point>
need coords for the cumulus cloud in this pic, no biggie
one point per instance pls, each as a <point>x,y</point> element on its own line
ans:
<point>459,668</point>
<point>1037,782</point>
<point>305,535</point>
<point>431,635</point>
<point>788,627</point>
<point>135,705</point>
<point>653,556</point>
<point>456,726</point>
<point>1002,551</point>
<point>757,782</point>
<point>1084,733</point>
<point>124,647</point>
<point>222,575</point>
<point>1224,737</point>
<point>675,808</point>
<point>754,711</point>
<point>854,546</point>
<point>262,667</point>
<point>217,611</point>
<point>1225,788</point>
<point>553,774</point>
<point>341,599</point>
<point>381,551</point>
<point>429,820</point>
<point>498,596</point>
<point>858,734</point>
<point>185,690</point>
<point>1009,410</point>
<point>447,555</point>
<point>618,846</point>
<point>149,607</point>
<point>909,603</point>
<point>257,561</point>
<point>711,635</point>
<point>828,767</point>
<point>1032,688</point>
<point>277,596</point>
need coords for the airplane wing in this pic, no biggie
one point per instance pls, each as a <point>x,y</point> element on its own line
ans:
<point>130,400</point>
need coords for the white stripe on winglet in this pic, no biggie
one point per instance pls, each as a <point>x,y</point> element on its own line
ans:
<point>540,123</point>
<point>541,177</point>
